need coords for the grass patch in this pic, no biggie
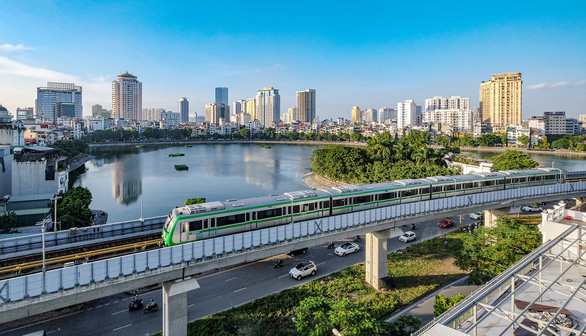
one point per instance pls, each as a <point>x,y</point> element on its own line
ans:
<point>528,219</point>
<point>176,154</point>
<point>416,270</point>
<point>181,167</point>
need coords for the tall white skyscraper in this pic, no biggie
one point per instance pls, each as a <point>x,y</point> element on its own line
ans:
<point>52,96</point>
<point>386,113</point>
<point>406,114</point>
<point>369,115</point>
<point>221,96</point>
<point>306,105</point>
<point>237,107</point>
<point>268,106</point>
<point>441,103</point>
<point>183,107</point>
<point>127,97</point>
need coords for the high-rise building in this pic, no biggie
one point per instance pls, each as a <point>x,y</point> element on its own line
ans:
<point>460,120</point>
<point>555,122</point>
<point>291,115</point>
<point>356,115</point>
<point>500,100</point>
<point>48,97</point>
<point>369,115</point>
<point>183,107</point>
<point>386,113</point>
<point>127,97</point>
<point>306,105</point>
<point>217,113</point>
<point>221,96</point>
<point>268,106</point>
<point>25,113</point>
<point>406,114</point>
<point>152,114</point>
<point>251,108</point>
<point>441,103</point>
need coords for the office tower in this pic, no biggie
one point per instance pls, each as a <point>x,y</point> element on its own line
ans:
<point>555,122</point>
<point>251,108</point>
<point>291,115</point>
<point>66,110</point>
<point>268,106</point>
<point>54,93</point>
<point>127,97</point>
<point>216,113</point>
<point>306,105</point>
<point>25,113</point>
<point>500,100</point>
<point>453,103</point>
<point>386,113</point>
<point>221,96</point>
<point>152,114</point>
<point>183,107</point>
<point>356,115</point>
<point>369,115</point>
<point>406,114</point>
<point>236,107</point>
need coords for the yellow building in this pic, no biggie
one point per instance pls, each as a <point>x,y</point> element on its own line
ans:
<point>356,114</point>
<point>500,100</point>
<point>251,108</point>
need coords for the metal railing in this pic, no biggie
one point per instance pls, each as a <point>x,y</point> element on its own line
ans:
<point>170,258</point>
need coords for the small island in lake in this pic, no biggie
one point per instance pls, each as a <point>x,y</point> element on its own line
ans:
<point>181,167</point>
<point>176,154</point>
<point>188,146</point>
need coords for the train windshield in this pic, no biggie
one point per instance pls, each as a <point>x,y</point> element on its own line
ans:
<point>169,222</point>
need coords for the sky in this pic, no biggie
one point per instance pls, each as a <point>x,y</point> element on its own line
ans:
<point>371,54</point>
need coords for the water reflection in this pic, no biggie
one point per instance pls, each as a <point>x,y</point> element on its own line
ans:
<point>126,180</point>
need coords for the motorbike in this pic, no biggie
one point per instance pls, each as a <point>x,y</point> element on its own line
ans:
<point>356,239</point>
<point>151,306</point>
<point>413,227</point>
<point>279,263</point>
<point>331,245</point>
<point>135,304</point>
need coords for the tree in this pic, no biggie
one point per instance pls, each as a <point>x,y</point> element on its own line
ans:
<point>403,326</point>
<point>523,139</point>
<point>73,208</point>
<point>356,136</point>
<point>443,303</point>
<point>195,200</point>
<point>312,316</point>
<point>488,140</point>
<point>512,159</point>
<point>562,143</point>
<point>490,251</point>
<point>8,222</point>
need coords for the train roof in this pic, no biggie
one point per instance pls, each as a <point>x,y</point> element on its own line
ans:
<point>233,204</point>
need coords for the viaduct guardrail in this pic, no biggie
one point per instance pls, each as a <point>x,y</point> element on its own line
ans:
<point>28,295</point>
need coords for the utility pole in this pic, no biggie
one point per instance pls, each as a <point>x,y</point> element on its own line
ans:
<point>55,198</point>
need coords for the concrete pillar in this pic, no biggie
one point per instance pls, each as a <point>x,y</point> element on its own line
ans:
<point>376,258</point>
<point>490,216</point>
<point>175,306</point>
<point>580,203</point>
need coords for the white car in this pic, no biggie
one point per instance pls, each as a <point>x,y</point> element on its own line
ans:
<point>408,236</point>
<point>346,248</point>
<point>303,269</point>
<point>476,215</point>
<point>531,208</point>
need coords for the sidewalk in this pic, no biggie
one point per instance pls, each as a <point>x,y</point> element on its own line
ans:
<point>423,308</point>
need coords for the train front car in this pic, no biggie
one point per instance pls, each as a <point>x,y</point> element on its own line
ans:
<point>168,227</point>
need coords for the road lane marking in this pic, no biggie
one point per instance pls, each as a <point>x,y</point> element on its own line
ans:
<point>234,278</point>
<point>238,290</point>
<point>321,263</point>
<point>89,309</point>
<point>122,311</point>
<point>107,304</point>
<point>284,275</point>
<point>100,306</point>
<point>116,301</point>
<point>191,305</point>
<point>126,326</point>
<point>50,332</point>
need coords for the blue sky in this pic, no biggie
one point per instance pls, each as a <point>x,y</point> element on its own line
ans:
<point>370,54</point>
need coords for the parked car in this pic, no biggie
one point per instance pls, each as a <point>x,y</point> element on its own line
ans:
<point>297,252</point>
<point>476,215</point>
<point>445,223</point>
<point>346,248</point>
<point>531,208</point>
<point>303,269</point>
<point>407,236</point>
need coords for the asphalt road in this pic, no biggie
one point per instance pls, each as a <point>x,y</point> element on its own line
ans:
<point>218,291</point>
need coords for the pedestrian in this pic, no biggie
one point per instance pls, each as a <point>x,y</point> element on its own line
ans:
<point>446,243</point>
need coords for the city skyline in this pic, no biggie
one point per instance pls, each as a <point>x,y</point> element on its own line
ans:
<point>371,65</point>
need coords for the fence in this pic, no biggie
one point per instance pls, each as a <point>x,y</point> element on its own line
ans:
<point>33,285</point>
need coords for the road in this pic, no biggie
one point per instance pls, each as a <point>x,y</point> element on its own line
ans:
<point>218,291</point>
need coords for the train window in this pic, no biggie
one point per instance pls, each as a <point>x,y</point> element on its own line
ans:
<point>450,187</point>
<point>468,185</point>
<point>531,178</point>
<point>385,196</point>
<point>195,225</point>
<point>308,207</point>
<point>254,216</point>
<point>248,217</point>
<point>437,189</point>
<point>424,190</point>
<point>500,181</point>
<point>296,209</point>
<point>488,183</point>
<point>523,179</point>
<point>459,186</point>
<point>270,213</point>
<point>361,199</point>
<point>229,220</point>
<point>326,204</point>
<point>339,202</point>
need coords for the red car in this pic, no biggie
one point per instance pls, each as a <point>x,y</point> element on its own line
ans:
<point>445,223</point>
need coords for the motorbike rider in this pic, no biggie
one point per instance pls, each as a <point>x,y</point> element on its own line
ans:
<point>413,226</point>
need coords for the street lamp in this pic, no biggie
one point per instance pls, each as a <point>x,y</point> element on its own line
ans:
<point>44,223</point>
<point>552,164</point>
<point>54,199</point>
<point>4,201</point>
<point>292,211</point>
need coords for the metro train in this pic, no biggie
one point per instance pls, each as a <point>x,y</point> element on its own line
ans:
<point>207,220</point>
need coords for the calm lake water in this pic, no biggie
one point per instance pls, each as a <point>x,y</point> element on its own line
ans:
<point>119,177</point>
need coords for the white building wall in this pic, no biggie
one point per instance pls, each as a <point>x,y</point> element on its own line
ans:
<point>28,178</point>
<point>406,114</point>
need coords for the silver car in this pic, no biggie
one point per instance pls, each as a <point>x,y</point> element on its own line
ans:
<point>346,248</point>
<point>303,269</point>
<point>408,236</point>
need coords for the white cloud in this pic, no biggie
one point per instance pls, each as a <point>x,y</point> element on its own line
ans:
<point>558,84</point>
<point>12,47</point>
<point>580,83</point>
<point>537,86</point>
<point>11,67</point>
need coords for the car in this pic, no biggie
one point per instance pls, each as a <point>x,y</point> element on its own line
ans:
<point>476,215</point>
<point>346,248</point>
<point>531,208</point>
<point>445,223</point>
<point>408,236</point>
<point>303,269</point>
<point>297,252</point>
